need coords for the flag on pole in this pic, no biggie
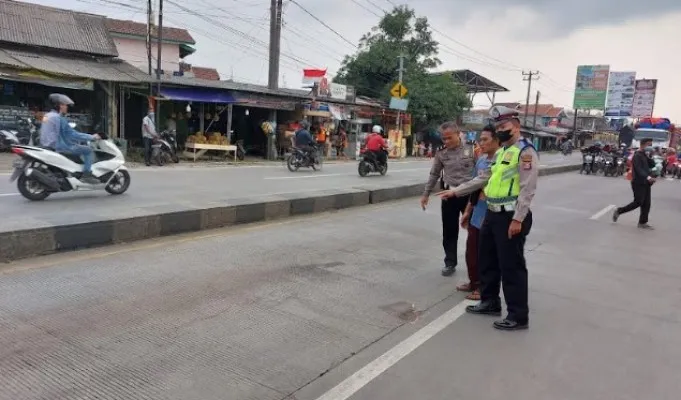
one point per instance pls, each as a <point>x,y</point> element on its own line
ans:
<point>312,76</point>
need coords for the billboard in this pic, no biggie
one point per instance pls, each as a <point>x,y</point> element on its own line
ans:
<point>644,98</point>
<point>621,89</point>
<point>591,87</point>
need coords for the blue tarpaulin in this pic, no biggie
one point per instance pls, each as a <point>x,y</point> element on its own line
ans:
<point>199,95</point>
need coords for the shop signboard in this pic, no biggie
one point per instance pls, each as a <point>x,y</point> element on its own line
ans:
<point>10,114</point>
<point>41,78</point>
<point>329,90</point>
<point>621,88</point>
<point>473,118</point>
<point>644,98</point>
<point>591,87</point>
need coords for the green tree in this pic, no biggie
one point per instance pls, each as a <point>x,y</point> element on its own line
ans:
<point>372,70</point>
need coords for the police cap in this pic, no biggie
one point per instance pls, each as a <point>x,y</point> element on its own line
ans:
<point>499,114</point>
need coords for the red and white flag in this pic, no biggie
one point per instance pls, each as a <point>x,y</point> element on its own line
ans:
<point>312,76</point>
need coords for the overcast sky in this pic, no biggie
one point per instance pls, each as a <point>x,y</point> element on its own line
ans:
<point>491,37</point>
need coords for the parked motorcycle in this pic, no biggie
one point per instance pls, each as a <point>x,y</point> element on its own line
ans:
<point>369,163</point>
<point>299,158</point>
<point>24,131</point>
<point>40,172</point>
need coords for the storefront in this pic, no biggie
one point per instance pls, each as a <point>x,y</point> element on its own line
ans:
<point>25,94</point>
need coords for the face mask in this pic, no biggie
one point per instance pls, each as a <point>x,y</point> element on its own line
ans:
<point>504,136</point>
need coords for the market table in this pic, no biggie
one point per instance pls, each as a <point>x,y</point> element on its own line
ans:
<point>205,147</point>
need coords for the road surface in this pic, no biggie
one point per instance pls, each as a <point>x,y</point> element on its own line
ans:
<point>169,189</point>
<point>292,309</point>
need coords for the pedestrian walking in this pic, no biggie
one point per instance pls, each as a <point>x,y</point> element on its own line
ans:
<point>642,181</point>
<point>452,166</point>
<point>509,192</point>
<point>474,215</point>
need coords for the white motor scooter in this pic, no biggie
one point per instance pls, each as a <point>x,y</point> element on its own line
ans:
<point>41,172</point>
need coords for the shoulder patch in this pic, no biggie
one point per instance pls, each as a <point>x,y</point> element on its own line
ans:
<point>526,160</point>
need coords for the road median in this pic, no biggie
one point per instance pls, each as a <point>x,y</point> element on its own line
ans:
<point>19,244</point>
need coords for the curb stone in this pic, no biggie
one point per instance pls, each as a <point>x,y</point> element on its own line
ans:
<point>27,243</point>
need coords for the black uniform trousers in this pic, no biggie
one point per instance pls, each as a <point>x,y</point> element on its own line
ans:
<point>452,209</point>
<point>641,199</point>
<point>502,262</point>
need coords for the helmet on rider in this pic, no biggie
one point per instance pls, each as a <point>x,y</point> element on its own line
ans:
<point>304,124</point>
<point>60,102</point>
<point>377,129</point>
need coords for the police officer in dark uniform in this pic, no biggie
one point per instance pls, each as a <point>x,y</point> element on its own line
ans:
<point>509,191</point>
<point>452,166</point>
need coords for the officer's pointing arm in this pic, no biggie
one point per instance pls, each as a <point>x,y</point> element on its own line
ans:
<point>474,184</point>
<point>529,174</point>
<point>435,173</point>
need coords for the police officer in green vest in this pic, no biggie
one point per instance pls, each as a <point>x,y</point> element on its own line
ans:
<point>509,191</point>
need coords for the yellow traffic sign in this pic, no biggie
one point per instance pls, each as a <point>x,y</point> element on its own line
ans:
<point>399,91</point>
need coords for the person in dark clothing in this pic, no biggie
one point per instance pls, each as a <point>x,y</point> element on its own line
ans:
<point>304,140</point>
<point>641,183</point>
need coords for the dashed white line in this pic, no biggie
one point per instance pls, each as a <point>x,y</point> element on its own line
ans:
<point>603,212</point>
<point>361,378</point>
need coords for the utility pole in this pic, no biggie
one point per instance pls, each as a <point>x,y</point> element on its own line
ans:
<point>159,36</point>
<point>528,76</point>
<point>400,71</point>
<point>150,22</point>
<point>275,43</point>
<point>536,106</point>
<point>273,78</point>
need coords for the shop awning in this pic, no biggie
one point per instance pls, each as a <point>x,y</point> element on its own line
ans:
<point>199,95</point>
<point>66,71</point>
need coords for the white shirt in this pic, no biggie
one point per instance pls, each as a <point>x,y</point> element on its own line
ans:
<point>148,128</point>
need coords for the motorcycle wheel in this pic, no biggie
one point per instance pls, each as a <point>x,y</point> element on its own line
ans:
<point>291,163</point>
<point>159,159</point>
<point>31,189</point>
<point>240,155</point>
<point>363,169</point>
<point>123,179</point>
<point>175,158</point>
<point>384,169</point>
<point>317,163</point>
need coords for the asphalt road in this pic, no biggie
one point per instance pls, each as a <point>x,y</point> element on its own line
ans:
<point>181,187</point>
<point>292,309</point>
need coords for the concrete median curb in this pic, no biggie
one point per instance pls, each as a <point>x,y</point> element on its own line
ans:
<point>27,243</point>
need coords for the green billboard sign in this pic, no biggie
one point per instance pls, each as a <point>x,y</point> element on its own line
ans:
<point>591,87</point>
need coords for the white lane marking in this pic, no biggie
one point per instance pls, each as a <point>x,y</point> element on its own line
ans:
<point>361,378</point>
<point>603,212</point>
<point>8,194</point>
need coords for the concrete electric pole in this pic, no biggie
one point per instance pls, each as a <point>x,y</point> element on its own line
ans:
<point>400,71</point>
<point>273,76</point>
<point>536,106</point>
<point>159,45</point>
<point>528,76</point>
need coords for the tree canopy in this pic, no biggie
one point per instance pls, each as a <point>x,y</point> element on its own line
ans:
<point>372,70</point>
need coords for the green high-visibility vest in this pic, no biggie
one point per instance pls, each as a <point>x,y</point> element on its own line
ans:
<point>503,186</point>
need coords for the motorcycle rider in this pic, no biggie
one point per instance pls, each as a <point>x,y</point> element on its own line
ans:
<point>304,140</point>
<point>57,134</point>
<point>376,145</point>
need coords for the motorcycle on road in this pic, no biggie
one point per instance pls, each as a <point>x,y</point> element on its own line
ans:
<point>299,159</point>
<point>369,164</point>
<point>40,172</point>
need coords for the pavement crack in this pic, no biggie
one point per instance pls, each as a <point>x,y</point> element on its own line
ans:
<point>292,395</point>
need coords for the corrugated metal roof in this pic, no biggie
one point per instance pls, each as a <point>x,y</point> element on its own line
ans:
<point>36,25</point>
<point>140,29</point>
<point>113,70</point>
<point>231,85</point>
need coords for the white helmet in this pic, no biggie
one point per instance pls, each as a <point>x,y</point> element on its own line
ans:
<point>377,129</point>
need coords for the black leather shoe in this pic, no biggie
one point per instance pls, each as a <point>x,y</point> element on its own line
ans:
<point>508,325</point>
<point>486,308</point>
<point>448,270</point>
